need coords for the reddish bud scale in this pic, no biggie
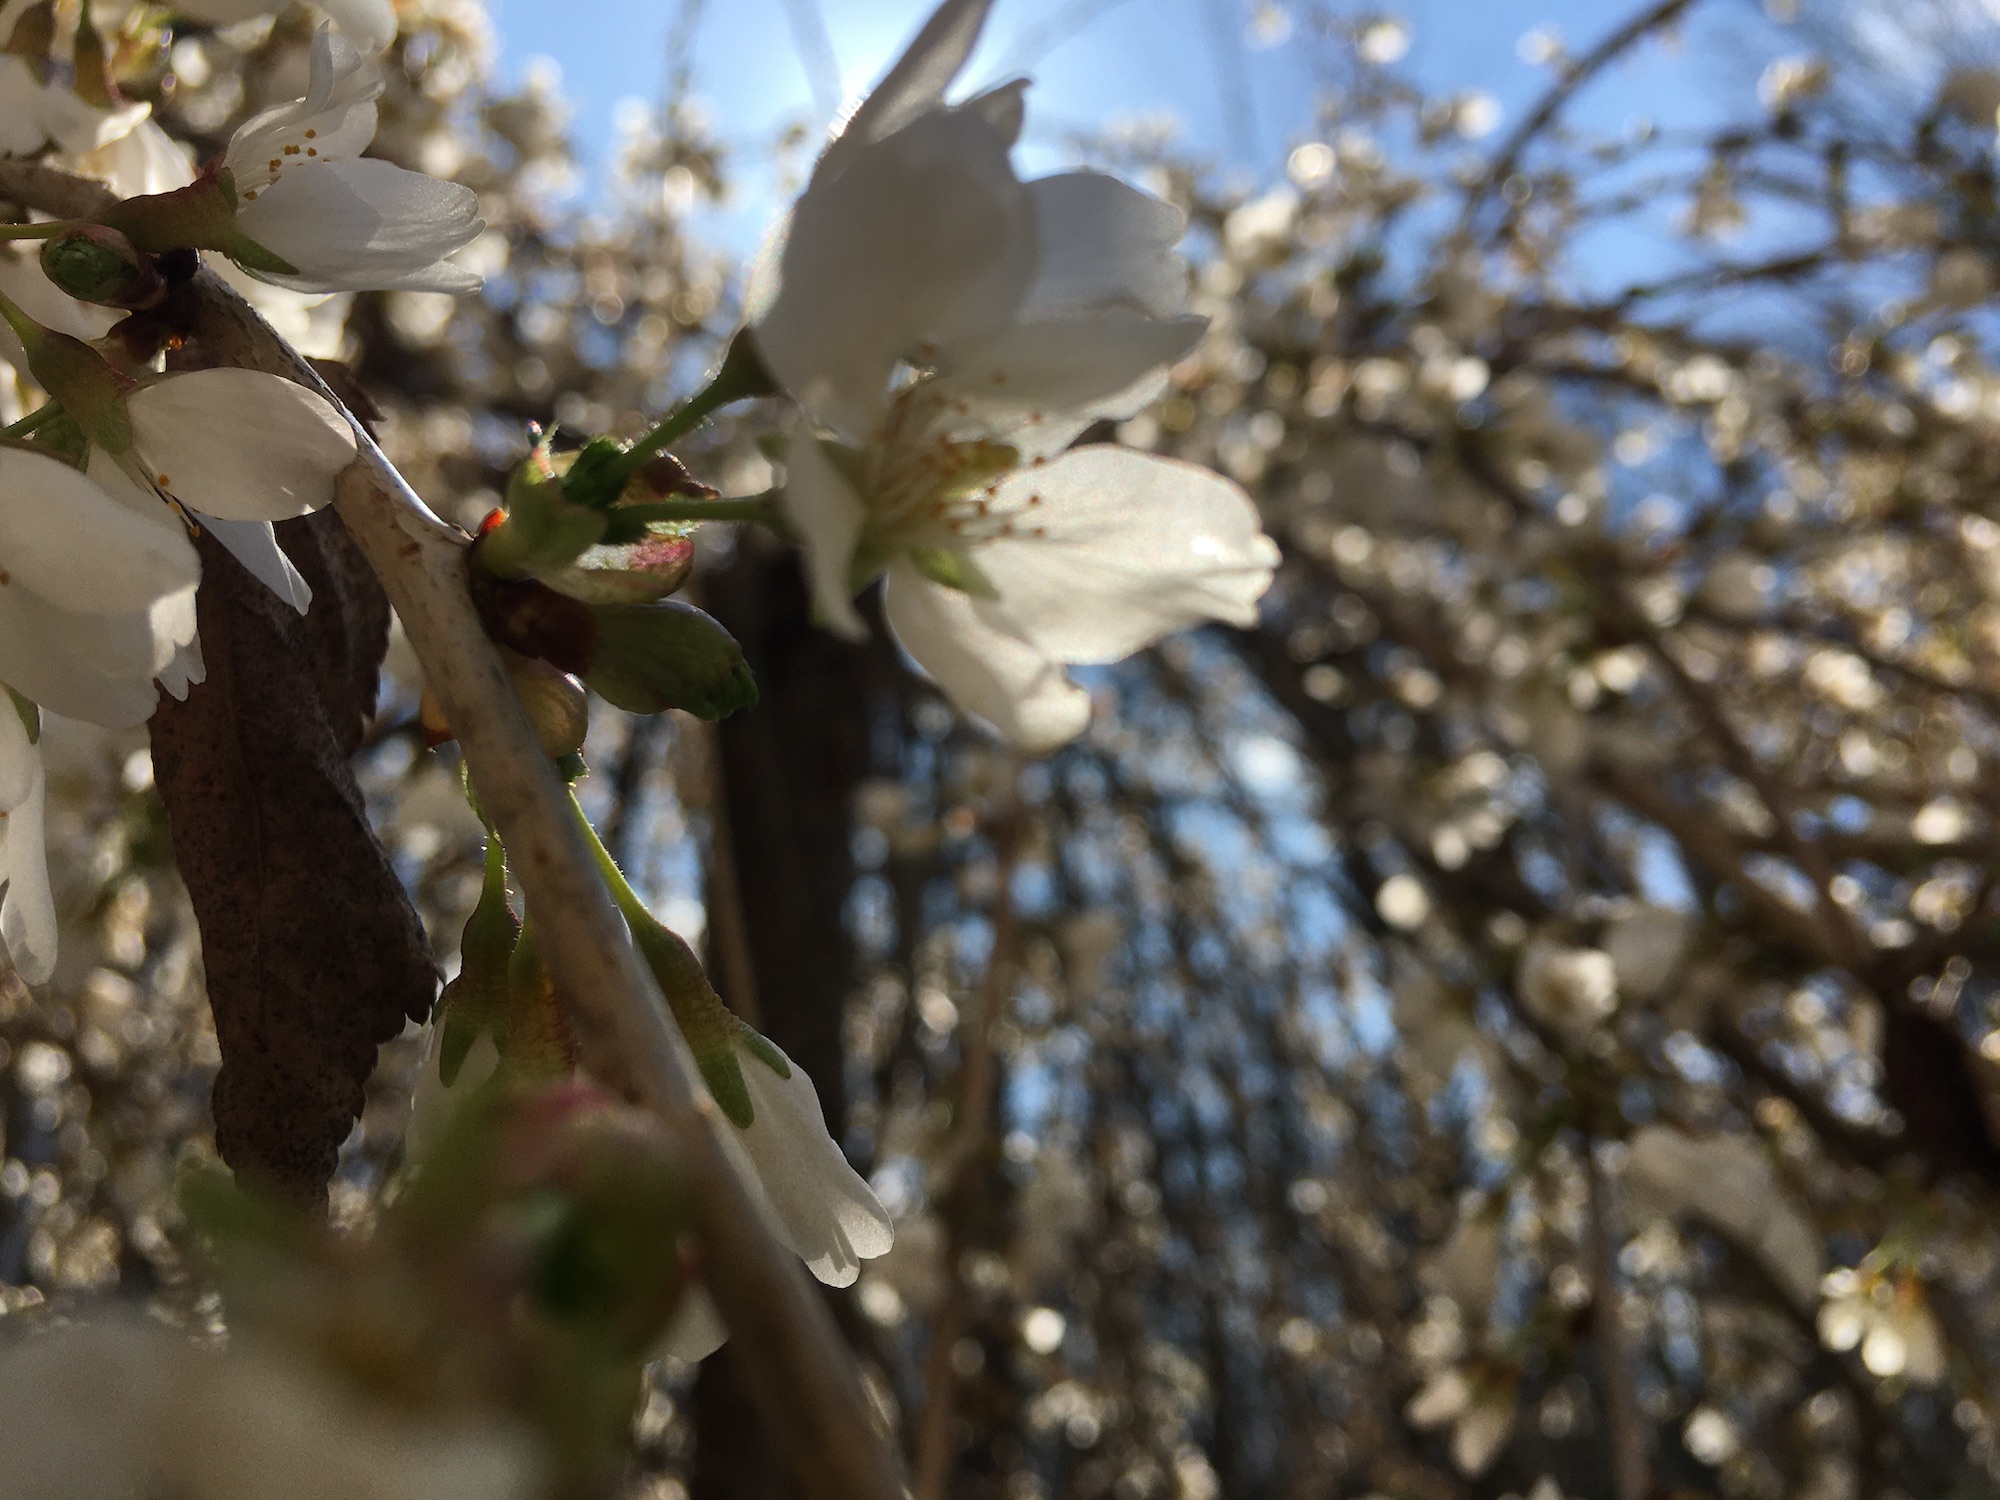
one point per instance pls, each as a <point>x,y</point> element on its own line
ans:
<point>533,619</point>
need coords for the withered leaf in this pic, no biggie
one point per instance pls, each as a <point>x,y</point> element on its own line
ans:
<point>314,955</point>
<point>347,628</point>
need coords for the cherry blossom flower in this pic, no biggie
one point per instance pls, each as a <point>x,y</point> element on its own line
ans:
<point>1029,311</point>
<point>305,193</point>
<point>367,24</point>
<point>95,604</point>
<point>97,599</point>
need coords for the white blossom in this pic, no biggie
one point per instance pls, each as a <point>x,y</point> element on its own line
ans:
<point>830,1218</point>
<point>305,193</point>
<point>368,24</point>
<point>1029,311</point>
<point>97,599</point>
<point>234,445</point>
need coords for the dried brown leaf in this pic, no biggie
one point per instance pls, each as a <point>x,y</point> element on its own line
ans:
<point>314,955</point>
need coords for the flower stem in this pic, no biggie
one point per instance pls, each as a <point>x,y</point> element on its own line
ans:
<point>629,904</point>
<point>36,231</point>
<point>33,421</point>
<point>740,376</point>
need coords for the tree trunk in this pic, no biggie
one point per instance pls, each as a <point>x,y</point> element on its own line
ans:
<point>779,951</point>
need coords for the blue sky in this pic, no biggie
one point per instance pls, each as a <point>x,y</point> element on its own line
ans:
<point>1240,92</point>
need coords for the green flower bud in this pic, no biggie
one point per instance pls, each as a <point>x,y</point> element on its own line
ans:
<point>652,657</point>
<point>96,264</point>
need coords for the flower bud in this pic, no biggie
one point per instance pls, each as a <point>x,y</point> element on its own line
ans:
<point>96,264</point>
<point>556,705</point>
<point>652,657</point>
<point>536,527</point>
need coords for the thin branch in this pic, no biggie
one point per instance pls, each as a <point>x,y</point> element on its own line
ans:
<point>1574,77</point>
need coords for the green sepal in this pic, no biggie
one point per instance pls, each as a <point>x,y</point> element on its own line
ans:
<point>724,1076</point>
<point>541,528</point>
<point>252,256</point>
<point>538,1043</point>
<point>870,561</point>
<point>90,390</point>
<point>572,768</point>
<point>60,437</point>
<point>765,1051</point>
<point>711,1030</point>
<point>952,569</point>
<point>30,714</point>
<point>477,999</point>
<point>597,476</point>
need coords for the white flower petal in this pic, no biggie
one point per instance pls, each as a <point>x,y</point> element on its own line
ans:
<point>94,667</point>
<point>982,666</point>
<point>828,517</point>
<point>143,160</point>
<point>185,670</point>
<point>695,1331</point>
<point>1104,244</point>
<point>239,444</point>
<point>831,1218</point>
<point>365,225</point>
<point>20,761</point>
<point>369,24</point>
<point>914,84</point>
<point>1039,385</point>
<point>21,129</point>
<point>314,323</point>
<point>1133,548</point>
<point>64,538</point>
<point>335,120</point>
<point>924,235</point>
<point>253,544</point>
<point>76,126</point>
<point>28,910</point>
